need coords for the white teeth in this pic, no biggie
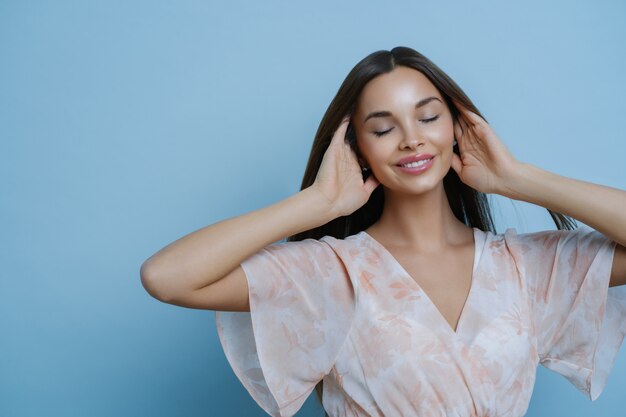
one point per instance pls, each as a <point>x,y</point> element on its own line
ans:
<point>416,164</point>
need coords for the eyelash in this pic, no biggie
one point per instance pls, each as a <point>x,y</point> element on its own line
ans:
<point>432,119</point>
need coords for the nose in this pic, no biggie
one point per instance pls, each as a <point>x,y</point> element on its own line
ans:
<point>411,139</point>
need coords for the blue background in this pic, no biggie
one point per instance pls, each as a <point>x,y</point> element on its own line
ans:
<point>125,125</point>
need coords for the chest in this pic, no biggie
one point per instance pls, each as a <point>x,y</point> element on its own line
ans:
<point>445,279</point>
<point>400,339</point>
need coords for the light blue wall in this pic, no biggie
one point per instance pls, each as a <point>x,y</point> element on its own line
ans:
<point>125,125</point>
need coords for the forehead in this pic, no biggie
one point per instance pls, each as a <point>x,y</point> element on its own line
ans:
<point>402,86</point>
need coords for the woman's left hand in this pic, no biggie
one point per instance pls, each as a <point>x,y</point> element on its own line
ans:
<point>485,163</point>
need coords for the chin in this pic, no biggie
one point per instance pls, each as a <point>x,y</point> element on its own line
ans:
<point>414,189</point>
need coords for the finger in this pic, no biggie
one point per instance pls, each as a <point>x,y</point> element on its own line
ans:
<point>456,163</point>
<point>340,132</point>
<point>457,130</point>
<point>467,114</point>
<point>463,127</point>
<point>465,117</point>
<point>476,119</point>
<point>462,110</point>
<point>460,106</point>
<point>469,129</point>
<point>471,117</point>
<point>343,126</point>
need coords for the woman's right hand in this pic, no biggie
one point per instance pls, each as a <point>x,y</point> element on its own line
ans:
<point>339,178</point>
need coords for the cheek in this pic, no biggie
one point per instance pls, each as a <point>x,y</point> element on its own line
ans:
<point>361,149</point>
<point>444,132</point>
<point>443,139</point>
<point>378,153</point>
<point>368,149</point>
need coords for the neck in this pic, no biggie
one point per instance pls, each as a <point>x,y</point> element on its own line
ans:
<point>424,221</point>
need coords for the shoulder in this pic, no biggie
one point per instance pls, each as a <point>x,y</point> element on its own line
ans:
<point>355,252</point>
<point>328,251</point>
<point>326,248</point>
<point>554,237</point>
<point>345,244</point>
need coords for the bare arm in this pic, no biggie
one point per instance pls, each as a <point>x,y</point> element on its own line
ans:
<point>203,257</point>
<point>598,206</point>
<point>202,270</point>
<point>488,166</point>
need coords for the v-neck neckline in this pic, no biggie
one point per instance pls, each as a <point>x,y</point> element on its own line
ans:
<point>455,332</point>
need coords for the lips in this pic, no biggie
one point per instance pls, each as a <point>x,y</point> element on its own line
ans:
<point>424,161</point>
<point>414,158</point>
<point>423,166</point>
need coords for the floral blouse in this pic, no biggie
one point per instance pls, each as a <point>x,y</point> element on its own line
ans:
<point>346,312</point>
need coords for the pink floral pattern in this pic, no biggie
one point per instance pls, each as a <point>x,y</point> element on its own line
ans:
<point>345,311</point>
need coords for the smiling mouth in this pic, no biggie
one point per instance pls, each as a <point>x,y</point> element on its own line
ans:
<point>416,164</point>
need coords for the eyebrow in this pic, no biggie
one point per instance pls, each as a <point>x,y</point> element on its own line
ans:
<point>385,113</point>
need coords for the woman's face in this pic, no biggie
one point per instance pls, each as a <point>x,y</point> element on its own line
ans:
<point>396,117</point>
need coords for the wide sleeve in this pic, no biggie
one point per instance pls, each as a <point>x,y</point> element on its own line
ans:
<point>579,321</point>
<point>301,309</point>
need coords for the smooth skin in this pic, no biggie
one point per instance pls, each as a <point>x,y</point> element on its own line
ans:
<point>417,225</point>
<point>202,269</point>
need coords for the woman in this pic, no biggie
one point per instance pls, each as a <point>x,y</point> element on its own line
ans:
<point>394,295</point>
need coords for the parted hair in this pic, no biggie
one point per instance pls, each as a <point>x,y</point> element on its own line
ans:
<point>469,205</point>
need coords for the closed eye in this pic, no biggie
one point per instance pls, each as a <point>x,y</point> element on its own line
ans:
<point>432,119</point>
<point>382,133</point>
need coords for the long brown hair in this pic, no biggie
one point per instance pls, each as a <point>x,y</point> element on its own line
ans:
<point>469,205</point>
